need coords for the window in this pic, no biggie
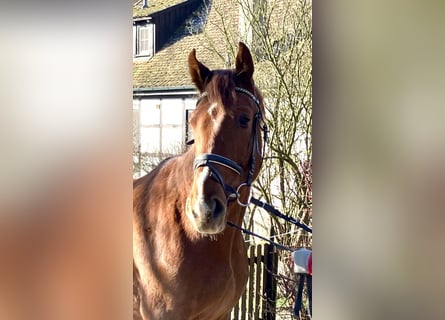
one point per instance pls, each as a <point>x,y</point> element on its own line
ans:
<point>160,129</point>
<point>188,129</point>
<point>162,126</point>
<point>145,39</point>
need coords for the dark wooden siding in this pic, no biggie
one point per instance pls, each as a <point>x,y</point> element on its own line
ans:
<point>169,20</point>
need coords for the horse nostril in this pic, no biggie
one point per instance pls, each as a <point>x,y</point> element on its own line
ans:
<point>218,208</point>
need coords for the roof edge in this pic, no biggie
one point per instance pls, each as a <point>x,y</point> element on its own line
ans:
<point>162,11</point>
<point>181,4</point>
<point>187,89</point>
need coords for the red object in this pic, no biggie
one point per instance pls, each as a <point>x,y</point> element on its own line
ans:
<point>309,264</point>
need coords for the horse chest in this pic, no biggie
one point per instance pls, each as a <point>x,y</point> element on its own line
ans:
<point>204,281</point>
<point>212,285</point>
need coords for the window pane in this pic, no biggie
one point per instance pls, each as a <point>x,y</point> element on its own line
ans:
<point>188,128</point>
<point>150,112</point>
<point>190,105</point>
<point>150,140</point>
<point>172,111</point>
<point>136,128</point>
<point>143,40</point>
<point>172,140</point>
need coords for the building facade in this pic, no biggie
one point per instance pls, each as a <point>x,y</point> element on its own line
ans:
<point>164,33</point>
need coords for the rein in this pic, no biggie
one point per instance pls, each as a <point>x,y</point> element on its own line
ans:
<point>209,160</point>
<point>276,213</point>
<point>245,231</point>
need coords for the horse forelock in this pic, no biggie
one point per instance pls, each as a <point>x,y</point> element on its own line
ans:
<point>221,88</point>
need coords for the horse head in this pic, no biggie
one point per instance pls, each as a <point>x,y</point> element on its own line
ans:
<point>227,125</point>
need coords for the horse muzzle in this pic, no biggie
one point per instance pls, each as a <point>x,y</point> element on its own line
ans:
<point>208,217</point>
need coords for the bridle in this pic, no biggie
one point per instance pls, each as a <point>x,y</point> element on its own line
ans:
<point>209,160</point>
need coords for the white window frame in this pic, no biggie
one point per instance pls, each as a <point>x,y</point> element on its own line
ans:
<point>148,38</point>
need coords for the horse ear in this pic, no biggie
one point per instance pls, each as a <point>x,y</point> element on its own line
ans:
<point>244,62</point>
<point>198,71</point>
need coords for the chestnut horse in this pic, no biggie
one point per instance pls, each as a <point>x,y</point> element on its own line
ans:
<point>187,264</point>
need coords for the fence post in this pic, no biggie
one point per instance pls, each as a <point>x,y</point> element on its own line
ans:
<point>270,288</point>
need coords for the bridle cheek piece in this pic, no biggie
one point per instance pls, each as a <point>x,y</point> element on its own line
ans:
<point>209,160</point>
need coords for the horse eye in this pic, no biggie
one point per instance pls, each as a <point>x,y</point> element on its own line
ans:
<point>244,121</point>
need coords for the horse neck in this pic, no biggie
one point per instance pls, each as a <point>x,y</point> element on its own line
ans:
<point>184,172</point>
